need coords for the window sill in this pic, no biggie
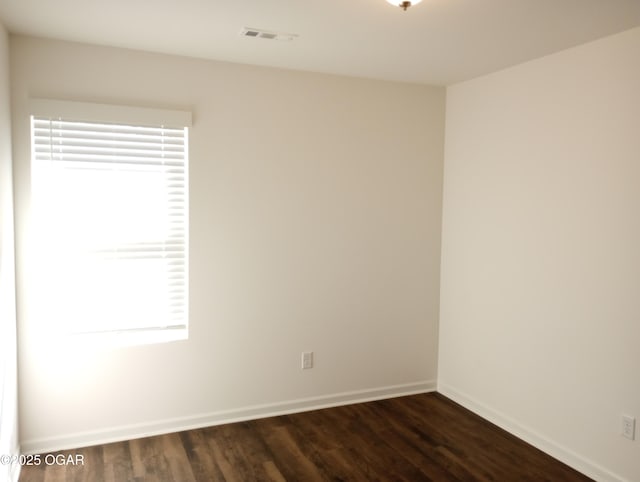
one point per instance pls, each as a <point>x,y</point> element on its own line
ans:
<point>118,339</point>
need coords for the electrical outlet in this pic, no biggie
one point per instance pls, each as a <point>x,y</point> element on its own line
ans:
<point>628,427</point>
<point>307,360</point>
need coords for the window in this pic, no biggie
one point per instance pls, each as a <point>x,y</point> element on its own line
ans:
<point>110,220</point>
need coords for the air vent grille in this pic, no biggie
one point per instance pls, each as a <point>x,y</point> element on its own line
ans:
<point>266,34</point>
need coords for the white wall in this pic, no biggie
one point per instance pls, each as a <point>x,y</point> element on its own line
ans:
<point>315,225</point>
<point>540,305</point>
<point>8,373</point>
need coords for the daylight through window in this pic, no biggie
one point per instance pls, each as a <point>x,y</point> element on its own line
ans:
<point>110,224</point>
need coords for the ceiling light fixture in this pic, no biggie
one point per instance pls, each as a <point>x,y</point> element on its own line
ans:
<point>403,4</point>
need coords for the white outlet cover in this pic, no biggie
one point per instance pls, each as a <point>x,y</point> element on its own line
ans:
<point>628,427</point>
<point>307,360</point>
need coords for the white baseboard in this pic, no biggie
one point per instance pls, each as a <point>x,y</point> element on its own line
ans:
<point>128,432</point>
<point>530,436</point>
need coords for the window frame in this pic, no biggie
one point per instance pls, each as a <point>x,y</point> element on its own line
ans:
<point>133,116</point>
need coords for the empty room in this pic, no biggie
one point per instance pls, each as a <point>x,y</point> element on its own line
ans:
<point>323,240</point>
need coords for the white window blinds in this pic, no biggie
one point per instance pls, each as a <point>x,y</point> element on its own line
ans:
<point>110,212</point>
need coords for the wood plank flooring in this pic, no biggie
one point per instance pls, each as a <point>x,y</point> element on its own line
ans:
<point>415,438</point>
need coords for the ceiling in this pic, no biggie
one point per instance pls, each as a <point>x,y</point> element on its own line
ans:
<point>435,42</point>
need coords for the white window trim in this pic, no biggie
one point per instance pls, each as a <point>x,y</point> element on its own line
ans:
<point>128,115</point>
<point>110,113</point>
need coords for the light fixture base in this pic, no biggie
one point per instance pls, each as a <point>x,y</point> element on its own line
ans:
<point>404,4</point>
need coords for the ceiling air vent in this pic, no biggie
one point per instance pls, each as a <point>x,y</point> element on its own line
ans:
<point>265,34</point>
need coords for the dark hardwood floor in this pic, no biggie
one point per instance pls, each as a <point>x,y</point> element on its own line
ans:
<point>414,438</point>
